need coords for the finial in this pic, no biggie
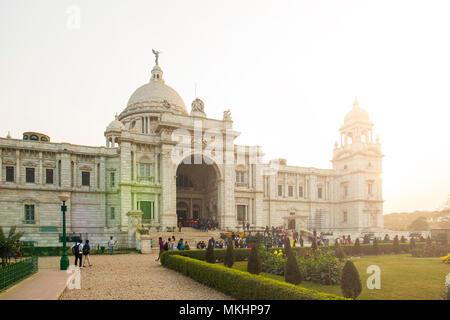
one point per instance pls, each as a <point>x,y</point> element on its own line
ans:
<point>156,53</point>
<point>116,116</point>
<point>9,135</point>
<point>356,104</point>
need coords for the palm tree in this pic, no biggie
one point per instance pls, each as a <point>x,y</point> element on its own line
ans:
<point>9,243</point>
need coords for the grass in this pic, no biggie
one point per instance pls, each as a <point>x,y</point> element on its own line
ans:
<point>402,278</point>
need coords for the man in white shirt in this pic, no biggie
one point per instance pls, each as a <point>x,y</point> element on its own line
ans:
<point>77,250</point>
<point>111,244</point>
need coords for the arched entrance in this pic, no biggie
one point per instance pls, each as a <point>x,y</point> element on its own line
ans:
<point>291,225</point>
<point>197,191</point>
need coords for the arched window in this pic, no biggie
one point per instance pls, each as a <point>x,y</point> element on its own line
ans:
<point>25,137</point>
<point>34,137</point>
<point>44,139</point>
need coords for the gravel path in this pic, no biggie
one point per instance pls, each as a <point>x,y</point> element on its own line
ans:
<point>133,277</point>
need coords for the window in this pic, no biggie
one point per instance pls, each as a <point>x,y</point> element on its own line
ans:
<point>10,174</point>
<point>112,213</point>
<point>85,178</point>
<point>241,210</point>
<point>44,139</point>
<point>370,188</point>
<point>319,192</point>
<point>29,175</point>
<point>291,191</point>
<point>29,214</point>
<point>280,190</point>
<point>144,170</point>
<point>240,177</point>
<point>34,137</point>
<point>25,137</point>
<point>112,179</point>
<point>344,216</point>
<point>49,176</point>
<point>300,191</point>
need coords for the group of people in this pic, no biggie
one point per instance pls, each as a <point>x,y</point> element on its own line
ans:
<point>82,251</point>
<point>204,224</point>
<point>170,245</point>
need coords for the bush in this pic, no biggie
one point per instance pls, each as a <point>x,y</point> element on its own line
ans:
<point>240,254</point>
<point>430,250</point>
<point>229,256</point>
<point>242,285</point>
<point>254,261</point>
<point>356,248</point>
<point>291,273</point>
<point>272,261</point>
<point>376,250</point>
<point>339,252</point>
<point>396,245</point>
<point>321,268</point>
<point>350,282</point>
<point>210,253</point>
<point>412,244</point>
<point>314,244</point>
<point>287,246</point>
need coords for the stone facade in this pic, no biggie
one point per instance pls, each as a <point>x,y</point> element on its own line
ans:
<point>143,177</point>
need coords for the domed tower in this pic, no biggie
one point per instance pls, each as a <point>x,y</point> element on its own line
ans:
<point>113,132</point>
<point>149,102</point>
<point>358,162</point>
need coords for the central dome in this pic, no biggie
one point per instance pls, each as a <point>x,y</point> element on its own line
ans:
<point>157,94</point>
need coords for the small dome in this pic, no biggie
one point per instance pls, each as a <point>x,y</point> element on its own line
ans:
<point>115,125</point>
<point>356,114</point>
<point>158,93</point>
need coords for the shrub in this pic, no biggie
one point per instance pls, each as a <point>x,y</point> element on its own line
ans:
<point>356,247</point>
<point>350,283</point>
<point>292,273</point>
<point>321,268</point>
<point>210,253</point>
<point>272,261</point>
<point>242,285</point>
<point>287,246</point>
<point>429,250</point>
<point>339,252</point>
<point>254,261</point>
<point>376,250</point>
<point>229,256</point>
<point>314,244</point>
<point>396,245</point>
<point>412,244</point>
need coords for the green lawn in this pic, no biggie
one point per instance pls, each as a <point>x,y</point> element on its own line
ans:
<point>402,278</point>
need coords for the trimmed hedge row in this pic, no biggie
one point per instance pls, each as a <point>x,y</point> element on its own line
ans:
<point>240,254</point>
<point>241,285</point>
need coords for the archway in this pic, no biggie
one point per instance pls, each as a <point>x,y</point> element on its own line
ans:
<point>291,225</point>
<point>197,190</point>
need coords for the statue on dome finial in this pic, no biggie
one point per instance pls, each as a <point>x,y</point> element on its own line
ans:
<point>156,53</point>
<point>227,115</point>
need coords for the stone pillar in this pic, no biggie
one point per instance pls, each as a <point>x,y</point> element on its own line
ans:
<point>124,178</point>
<point>41,173</point>
<point>134,166</point>
<point>169,188</point>
<point>65,170</point>
<point>229,208</point>
<point>18,178</point>
<point>1,166</point>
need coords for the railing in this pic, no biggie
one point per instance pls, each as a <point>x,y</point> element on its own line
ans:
<point>15,272</point>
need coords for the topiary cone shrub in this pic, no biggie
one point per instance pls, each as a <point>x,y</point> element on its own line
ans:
<point>339,252</point>
<point>356,248</point>
<point>287,246</point>
<point>376,250</point>
<point>254,262</point>
<point>291,272</point>
<point>396,245</point>
<point>350,282</point>
<point>210,257</point>
<point>314,245</point>
<point>412,244</point>
<point>229,256</point>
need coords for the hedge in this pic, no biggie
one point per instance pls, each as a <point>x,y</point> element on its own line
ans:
<point>240,254</point>
<point>239,284</point>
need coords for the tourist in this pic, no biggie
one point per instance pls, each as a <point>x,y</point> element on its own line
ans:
<point>77,250</point>
<point>301,241</point>
<point>402,239</point>
<point>172,243</point>
<point>111,244</point>
<point>386,238</point>
<point>243,226</point>
<point>180,244</point>
<point>161,247</point>
<point>211,241</point>
<point>179,226</point>
<point>248,226</point>
<point>86,252</point>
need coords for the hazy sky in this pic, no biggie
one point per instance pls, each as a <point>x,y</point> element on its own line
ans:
<point>288,70</point>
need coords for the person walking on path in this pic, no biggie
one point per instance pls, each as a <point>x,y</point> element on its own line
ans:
<point>111,244</point>
<point>77,250</point>
<point>161,248</point>
<point>86,251</point>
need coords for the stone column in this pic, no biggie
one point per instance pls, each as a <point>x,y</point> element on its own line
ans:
<point>41,173</point>
<point>124,178</point>
<point>18,177</point>
<point>1,166</point>
<point>169,188</point>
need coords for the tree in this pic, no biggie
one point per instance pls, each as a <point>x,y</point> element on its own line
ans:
<point>420,224</point>
<point>412,244</point>
<point>375,246</point>
<point>396,245</point>
<point>210,257</point>
<point>314,244</point>
<point>229,255</point>
<point>254,262</point>
<point>291,272</point>
<point>356,247</point>
<point>9,244</point>
<point>350,282</point>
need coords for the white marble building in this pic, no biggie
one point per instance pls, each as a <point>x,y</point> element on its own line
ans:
<point>138,176</point>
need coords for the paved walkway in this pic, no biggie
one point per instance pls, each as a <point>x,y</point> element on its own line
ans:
<point>44,285</point>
